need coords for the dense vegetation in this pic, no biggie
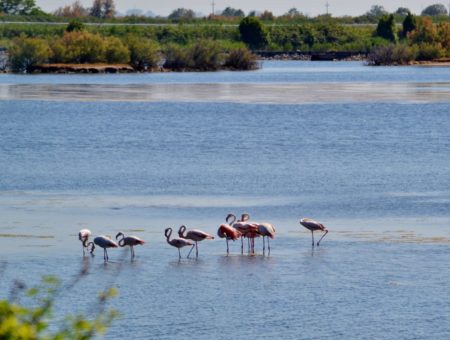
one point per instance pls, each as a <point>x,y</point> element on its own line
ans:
<point>176,43</point>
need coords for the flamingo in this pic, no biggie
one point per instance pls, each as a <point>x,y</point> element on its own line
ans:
<point>104,242</point>
<point>266,230</point>
<point>176,242</point>
<point>194,235</point>
<point>247,229</point>
<point>129,241</point>
<point>83,236</point>
<point>313,225</point>
<point>228,232</point>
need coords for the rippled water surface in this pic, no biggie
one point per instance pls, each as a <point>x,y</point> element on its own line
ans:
<point>364,150</point>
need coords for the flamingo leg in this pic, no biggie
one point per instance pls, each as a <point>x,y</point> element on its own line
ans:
<point>179,253</point>
<point>132,252</point>
<point>326,232</point>
<point>83,249</point>
<point>264,244</point>
<point>196,249</point>
<point>268,242</point>
<point>105,255</point>
<point>191,250</point>
<point>242,244</point>
<point>312,235</point>
<point>228,249</point>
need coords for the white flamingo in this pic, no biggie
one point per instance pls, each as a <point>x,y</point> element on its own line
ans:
<point>104,242</point>
<point>313,225</point>
<point>83,236</point>
<point>194,235</point>
<point>266,230</point>
<point>130,241</point>
<point>228,232</point>
<point>176,242</point>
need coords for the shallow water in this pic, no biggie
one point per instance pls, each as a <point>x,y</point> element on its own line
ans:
<point>364,150</point>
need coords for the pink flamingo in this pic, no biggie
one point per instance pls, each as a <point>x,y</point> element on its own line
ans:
<point>177,242</point>
<point>314,225</point>
<point>83,236</point>
<point>228,232</point>
<point>247,229</point>
<point>129,241</point>
<point>266,230</point>
<point>104,242</point>
<point>194,235</point>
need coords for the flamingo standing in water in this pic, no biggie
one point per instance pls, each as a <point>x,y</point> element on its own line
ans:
<point>194,235</point>
<point>228,232</point>
<point>247,229</point>
<point>129,241</point>
<point>104,242</point>
<point>266,230</point>
<point>83,236</point>
<point>313,225</point>
<point>177,242</point>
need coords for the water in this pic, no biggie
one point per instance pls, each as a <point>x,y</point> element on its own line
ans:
<point>364,150</point>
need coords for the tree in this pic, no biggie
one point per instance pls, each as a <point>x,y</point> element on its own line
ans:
<point>18,7</point>
<point>266,15</point>
<point>435,10</point>
<point>376,11</point>
<point>386,28</point>
<point>253,33</point>
<point>409,24</point>
<point>182,14</point>
<point>75,10</point>
<point>402,11</point>
<point>96,9</point>
<point>109,9</point>
<point>25,53</point>
<point>232,12</point>
<point>293,12</point>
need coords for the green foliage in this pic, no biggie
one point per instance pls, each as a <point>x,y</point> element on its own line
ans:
<point>19,322</point>
<point>26,53</point>
<point>435,10</point>
<point>182,14</point>
<point>241,59</point>
<point>144,53</point>
<point>75,25</point>
<point>232,12</point>
<point>82,47</point>
<point>204,55</point>
<point>386,28</point>
<point>409,24</point>
<point>392,54</point>
<point>253,33</point>
<point>427,51</point>
<point>116,52</point>
<point>18,7</point>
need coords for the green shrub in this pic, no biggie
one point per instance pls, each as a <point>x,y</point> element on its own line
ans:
<point>241,59</point>
<point>430,51</point>
<point>116,52</point>
<point>205,55</point>
<point>177,58</point>
<point>392,55</point>
<point>144,53</point>
<point>25,53</point>
<point>82,47</point>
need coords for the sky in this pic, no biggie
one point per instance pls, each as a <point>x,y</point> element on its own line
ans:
<point>278,7</point>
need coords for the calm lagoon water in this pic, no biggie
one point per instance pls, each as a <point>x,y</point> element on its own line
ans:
<point>364,150</point>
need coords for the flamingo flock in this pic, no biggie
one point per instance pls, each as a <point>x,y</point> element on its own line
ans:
<point>232,229</point>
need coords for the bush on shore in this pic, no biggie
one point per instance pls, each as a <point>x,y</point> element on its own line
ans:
<point>241,59</point>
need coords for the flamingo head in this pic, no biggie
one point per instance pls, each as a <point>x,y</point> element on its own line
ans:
<point>119,234</point>
<point>181,231</point>
<point>245,217</point>
<point>91,247</point>
<point>230,219</point>
<point>168,232</point>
